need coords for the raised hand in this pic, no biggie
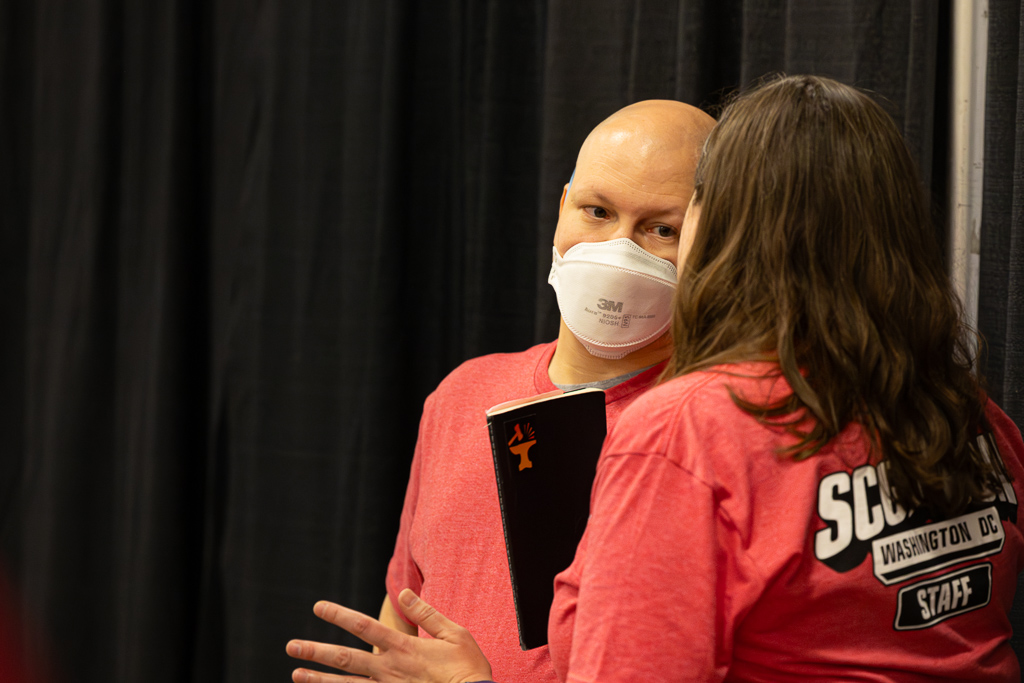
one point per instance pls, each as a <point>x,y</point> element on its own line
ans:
<point>451,656</point>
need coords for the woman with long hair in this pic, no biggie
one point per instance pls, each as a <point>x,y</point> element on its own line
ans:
<point>820,489</point>
<point>823,490</point>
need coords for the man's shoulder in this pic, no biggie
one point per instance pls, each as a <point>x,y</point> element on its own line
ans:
<point>494,365</point>
<point>500,376</point>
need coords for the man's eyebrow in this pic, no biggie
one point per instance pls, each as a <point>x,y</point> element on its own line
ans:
<point>591,196</point>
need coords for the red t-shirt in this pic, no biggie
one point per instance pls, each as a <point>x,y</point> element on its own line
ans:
<point>451,546</point>
<point>709,557</point>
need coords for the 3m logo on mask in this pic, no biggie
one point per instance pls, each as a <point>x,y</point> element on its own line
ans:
<point>608,305</point>
<point>860,517</point>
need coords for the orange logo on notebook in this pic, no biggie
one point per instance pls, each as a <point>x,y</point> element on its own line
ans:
<point>522,447</point>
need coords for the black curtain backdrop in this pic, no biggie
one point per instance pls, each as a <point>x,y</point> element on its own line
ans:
<point>1001,281</point>
<point>242,241</point>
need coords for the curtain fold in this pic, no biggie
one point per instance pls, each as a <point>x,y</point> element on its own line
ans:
<point>1001,272</point>
<point>1001,286</point>
<point>100,516</point>
<point>242,241</point>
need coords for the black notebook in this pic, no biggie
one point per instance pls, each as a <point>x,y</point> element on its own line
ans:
<point>545,456</point>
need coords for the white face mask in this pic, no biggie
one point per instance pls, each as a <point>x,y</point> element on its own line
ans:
<point>614,296</point>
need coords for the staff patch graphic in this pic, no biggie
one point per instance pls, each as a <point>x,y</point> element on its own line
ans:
<point>926,603</point>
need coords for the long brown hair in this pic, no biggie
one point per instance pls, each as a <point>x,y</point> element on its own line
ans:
<point>815,249</point>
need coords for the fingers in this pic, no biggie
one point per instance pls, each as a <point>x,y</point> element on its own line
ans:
<point>425,616</point>
<point>310,676</point>
<point>335,656</point>
<point>367,629</point>
<point>452,655</point>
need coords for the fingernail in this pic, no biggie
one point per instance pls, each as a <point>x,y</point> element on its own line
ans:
<point>300,675</point>
<point>408,598</point>
<point>294,649</point>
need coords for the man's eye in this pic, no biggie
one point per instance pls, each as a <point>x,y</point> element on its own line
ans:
<point>665,231</point>
<point>596,211</point>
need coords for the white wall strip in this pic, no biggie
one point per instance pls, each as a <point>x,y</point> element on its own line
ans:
<point>967,140</point>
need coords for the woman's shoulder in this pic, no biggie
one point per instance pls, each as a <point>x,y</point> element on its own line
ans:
<point>681,414</point>
<point>1007,437</point>
<point>712,389</point>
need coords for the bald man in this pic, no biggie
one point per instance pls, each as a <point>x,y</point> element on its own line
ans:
<point>613,272</point>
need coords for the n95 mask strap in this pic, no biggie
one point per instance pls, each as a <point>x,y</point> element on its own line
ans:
<point>614,296</point>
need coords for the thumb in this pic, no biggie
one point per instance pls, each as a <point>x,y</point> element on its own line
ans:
<point>425,616</point>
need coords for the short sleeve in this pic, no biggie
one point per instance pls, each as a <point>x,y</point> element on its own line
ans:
<point>403,571</point>
<point>643,597</point>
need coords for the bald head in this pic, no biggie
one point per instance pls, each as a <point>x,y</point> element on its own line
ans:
<point>655,126</point>
<point>635,173</point>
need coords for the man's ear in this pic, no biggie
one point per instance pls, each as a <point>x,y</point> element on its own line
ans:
<point>561,202</point>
